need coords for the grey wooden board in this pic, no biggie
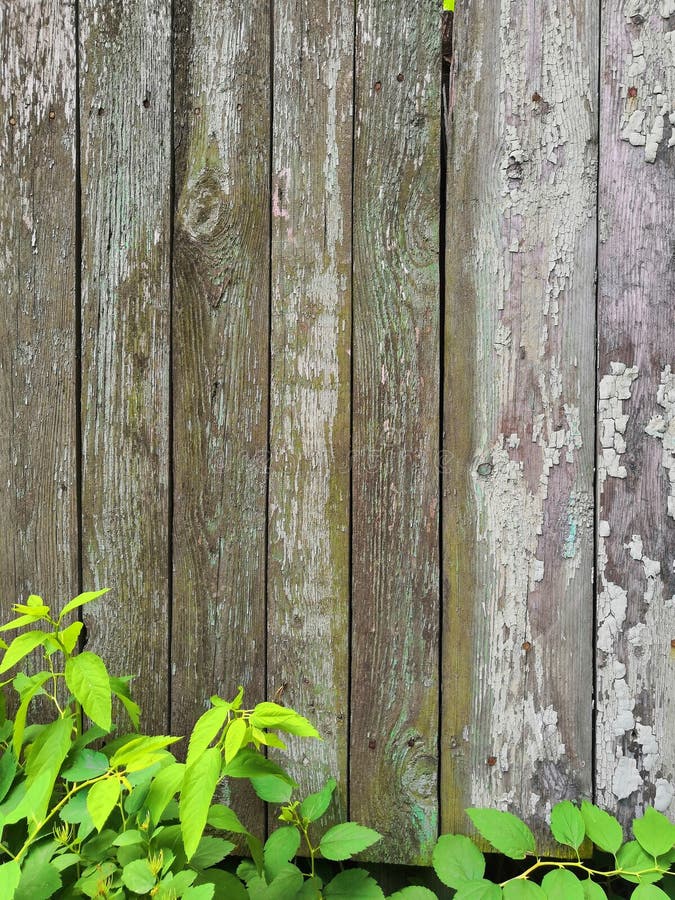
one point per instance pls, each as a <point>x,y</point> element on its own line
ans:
<point>38,486</point>
<point>519,409</point>
<point>125,111</point>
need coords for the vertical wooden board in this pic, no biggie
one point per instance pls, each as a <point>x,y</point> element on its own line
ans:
<point>395,612</point>
<point>221,287</point>
<point>519,409</point>
<point>38,482</point>
<point>635,758</point>
<point>308,581</point>
<point>125,65</point>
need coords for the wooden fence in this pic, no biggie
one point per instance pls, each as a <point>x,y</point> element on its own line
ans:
<point>386,434</point>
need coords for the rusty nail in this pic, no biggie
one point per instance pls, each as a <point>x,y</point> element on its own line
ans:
<point>672,644</point>
<point>536,97</point>
<point>377,87</point>
<point>485,468</point>
<point>399,77</point>
<point>52,114</point>
<point>632,92</point>
<point>12,121</point>
<point>527,646</point>
<point>372,744</point>
<point>492,760</point>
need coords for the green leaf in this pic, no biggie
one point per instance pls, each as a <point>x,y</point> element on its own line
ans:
<point>255,848</point>
<point>520,889</point>
<point>129,838</point>
<point>199,784</point>
<point>45,756</point>
<point>506,832</point>
<point>456,859</point>
<point>634,863</point>
<point>649,892</point>
<point>414,892</point>
<point>234,738</point>
<point>120,688</point>
<point>101,800</point>
<point>10,874</point>
<point>138,876</point>
<point>201,892</point>
<point>21,646</point>
<point>567,824</point>
<point>561,884</point>
<point>592,890</point>
<point>87,679</point>
<point>311,889</point>
<point>315,805</point>
<point>70,635</point>
<point>39,878</point>
<point>30,687</point>
<point>85,764</point>
<point>479,890</point>
<point>80,600</point>
<point>75,811</point>
<point>280,848</point>
<point>225,819</point>
<point>272,789</point>
<point>601,828</point>
<point>352,884</point>
<point>206,728</point>
<point>226,884</point>
<point>285,885</point>
<point>251,764</point>
<point>7,772</point>
<point>141,752</point>
<point>449,5</point>
<point>272,715</point>
<point>654,832</point>
<point>342,841</point>
<point>163,788</point>
<point>210,851</point>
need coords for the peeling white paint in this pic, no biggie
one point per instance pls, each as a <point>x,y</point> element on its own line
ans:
<point>662,427</point>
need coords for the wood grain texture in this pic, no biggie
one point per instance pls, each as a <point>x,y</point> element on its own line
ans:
<point>308,570</point>
<point>395,625</point>
<point>519,411</point>
<point>125,63</point>
<point>636,427</point>
<point>221,289</point>
<point>38,489</point>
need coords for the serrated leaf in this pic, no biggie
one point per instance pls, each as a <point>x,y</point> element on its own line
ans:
<point>272,789</point>
<point>199,784</point>
<point>352,884</point>
<point>649,892</point>
<point>87,679</point>
<point>479,890</point>
<point>315,805</point>
<point>251,764</point>
<point>286,884</point>
<point>567,824</point>
<point>272,715</point>
<point>141,752</point>
<point>592,890</point>
<point>522,890</point>
<point>343,841</point>
<point>80,600</point>
<point>456,859</point>
<point>210,851</point>
<point>40,879</point>
<point>267,739</point>
<point>635,863</point>
<point>10,874</point>
<point>234,738</point>
<point>561,884</point>
<point>138,876</point>
<point>20,647</point>
<point>506,832</point>
<point>280,848</point>
<point>101,800</point>
<point>601,828</point>
<point>163,788</point>
<point>206,728</point>
<point>86,764</point>
<point>226,884</point>
<point>225,819</point>
<point>414,892</point>
<point>655,832</point>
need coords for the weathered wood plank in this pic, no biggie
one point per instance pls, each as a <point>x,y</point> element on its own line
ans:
<point>308,580</point>
<point>38,499</point>
<point>125,53</point>
<point>519,410</point>
<point>395,624</point>
<point>221,275</point>
<point>636,428</point>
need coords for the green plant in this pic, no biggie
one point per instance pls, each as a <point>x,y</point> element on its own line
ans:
<point>643,861</point>
<point>88,812</point>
